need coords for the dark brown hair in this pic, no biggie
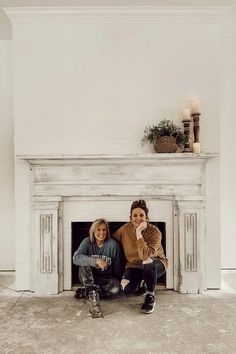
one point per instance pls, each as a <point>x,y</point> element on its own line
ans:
<point>139,204</point>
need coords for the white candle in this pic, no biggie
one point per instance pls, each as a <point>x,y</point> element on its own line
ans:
<point>196,148</point>
<point>186,114</point>
<point>195,106</point>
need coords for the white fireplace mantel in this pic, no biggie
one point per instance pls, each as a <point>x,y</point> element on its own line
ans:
<point>58,185</point>
<point>189,158</point>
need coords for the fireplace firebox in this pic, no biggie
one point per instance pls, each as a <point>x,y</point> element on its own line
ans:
<point>80,230</point>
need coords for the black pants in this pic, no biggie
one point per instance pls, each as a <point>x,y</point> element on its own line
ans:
<point>150,272</point>
<point>109,286</point>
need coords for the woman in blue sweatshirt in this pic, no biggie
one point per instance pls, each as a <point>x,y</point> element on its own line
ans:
<point>100,266</point>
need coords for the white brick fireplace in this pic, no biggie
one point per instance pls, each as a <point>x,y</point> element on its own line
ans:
<point>62,189</point>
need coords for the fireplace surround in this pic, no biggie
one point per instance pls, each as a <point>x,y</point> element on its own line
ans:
<point>65,189</point>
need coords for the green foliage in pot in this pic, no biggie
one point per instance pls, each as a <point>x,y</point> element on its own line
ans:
<point>163,128</point>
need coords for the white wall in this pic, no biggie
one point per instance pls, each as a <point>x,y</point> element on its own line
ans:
<point>92,88</point>
<point>228,147</point>
<point>7,236</point>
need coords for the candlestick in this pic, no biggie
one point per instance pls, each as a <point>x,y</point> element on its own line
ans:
<point>186,122</point>
<point>196,126</point>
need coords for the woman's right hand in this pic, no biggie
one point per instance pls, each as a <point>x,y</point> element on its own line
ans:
<point>142,226</point>
<point>101,263</point>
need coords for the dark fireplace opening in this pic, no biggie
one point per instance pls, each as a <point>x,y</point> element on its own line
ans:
<point>80,230</point>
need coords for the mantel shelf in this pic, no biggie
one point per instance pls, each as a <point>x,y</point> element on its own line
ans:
<point>150,158</point>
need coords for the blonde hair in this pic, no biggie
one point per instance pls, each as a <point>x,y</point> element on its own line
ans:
<point>95,225</point>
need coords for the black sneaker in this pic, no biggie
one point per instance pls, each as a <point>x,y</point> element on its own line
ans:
<point>149,304</point>
<point>94,305</point>
<point>80,293</point>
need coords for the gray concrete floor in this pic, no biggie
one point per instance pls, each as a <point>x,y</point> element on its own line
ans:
<point>59,324</point>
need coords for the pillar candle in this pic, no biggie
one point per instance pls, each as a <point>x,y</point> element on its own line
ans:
<point>186,114</point>
<point>196,148</point>
<point>195,106</point>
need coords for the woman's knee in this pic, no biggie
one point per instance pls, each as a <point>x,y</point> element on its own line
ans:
<point>150,266</point>
<point>148,261</point>
<point>115,290</point>
<point>115,287</point>
<point>110,289</point>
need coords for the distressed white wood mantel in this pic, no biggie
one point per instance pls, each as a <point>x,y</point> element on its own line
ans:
<point>57,182</point>
<point>67,159</point>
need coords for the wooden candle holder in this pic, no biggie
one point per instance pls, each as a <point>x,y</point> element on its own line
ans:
<point>196,126</point>
<point>186,123</point>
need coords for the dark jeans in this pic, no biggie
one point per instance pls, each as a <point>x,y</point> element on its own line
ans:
<point>109,286</point>
<point>150,273</point>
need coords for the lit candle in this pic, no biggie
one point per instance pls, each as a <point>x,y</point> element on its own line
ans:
<point>196,148</point>
<point>186,114</point>
<point>195,106</point>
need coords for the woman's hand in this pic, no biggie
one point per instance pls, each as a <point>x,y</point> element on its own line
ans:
<point>142,226</point>
<point>101,263</point>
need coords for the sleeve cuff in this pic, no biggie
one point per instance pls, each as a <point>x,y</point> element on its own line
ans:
<point>140,241</point>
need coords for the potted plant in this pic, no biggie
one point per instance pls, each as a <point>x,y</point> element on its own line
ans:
<point>166,136</point>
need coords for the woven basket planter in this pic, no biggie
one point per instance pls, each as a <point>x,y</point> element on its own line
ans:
<point>166,144</point>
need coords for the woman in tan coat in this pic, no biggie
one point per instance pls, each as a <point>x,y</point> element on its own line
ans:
<point>146,260</point>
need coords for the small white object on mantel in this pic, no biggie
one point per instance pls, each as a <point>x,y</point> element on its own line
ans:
<point>196,148</point>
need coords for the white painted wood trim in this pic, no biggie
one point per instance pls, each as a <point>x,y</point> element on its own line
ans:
<point>191,281</point>
<point>76,187</point>
<point>46,277</point>
<point>117,14</point>
<point>151,158</point>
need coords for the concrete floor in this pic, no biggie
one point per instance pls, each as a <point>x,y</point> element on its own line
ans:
<point>59,324</point>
